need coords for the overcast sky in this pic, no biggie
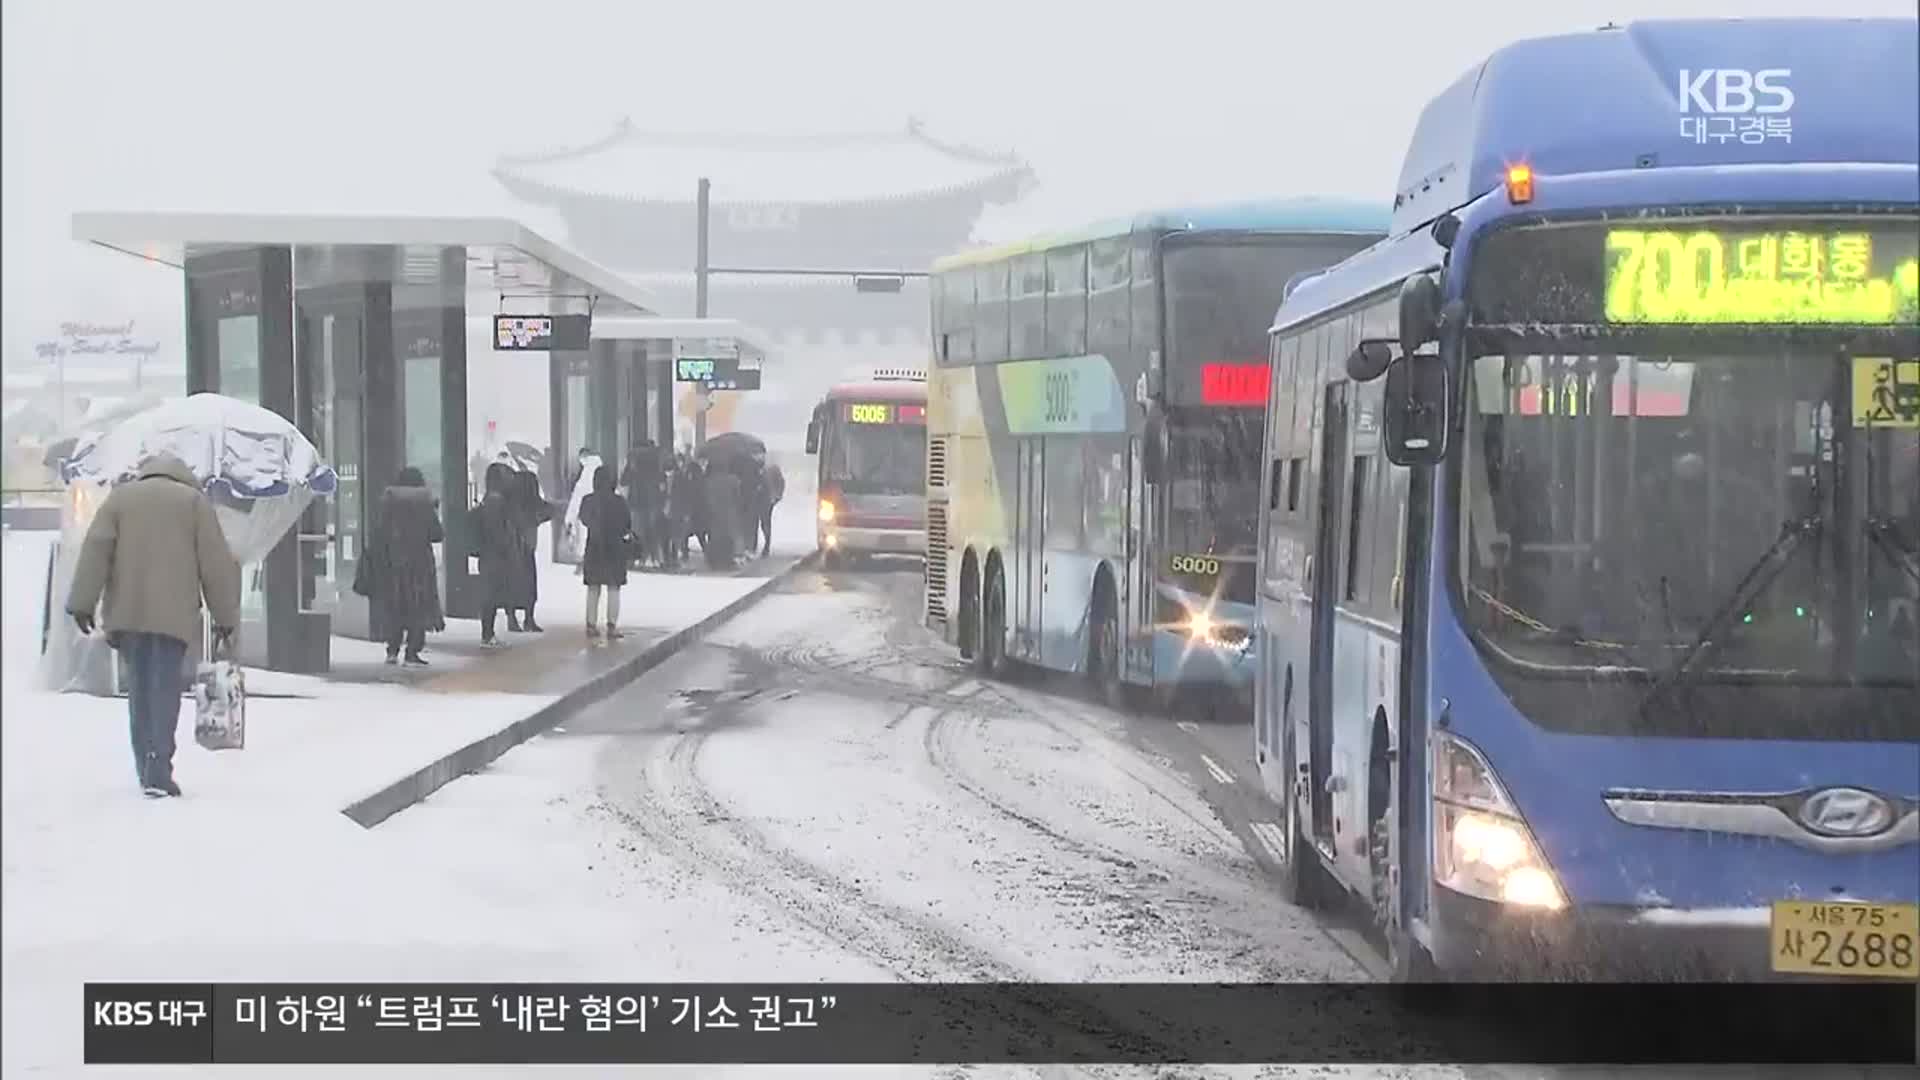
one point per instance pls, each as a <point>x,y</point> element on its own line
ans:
<point>402,105</point>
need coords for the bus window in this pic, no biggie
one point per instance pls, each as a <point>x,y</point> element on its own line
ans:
<point>1067,302</point>
<point>1028,309</point>
<point>990,313</point>
<point>1066,492</point>
<point>1145,309</point>
<point>876,459</point>
<point>1108,281</point>
<point>1357,531</point>
<point>956,316</point>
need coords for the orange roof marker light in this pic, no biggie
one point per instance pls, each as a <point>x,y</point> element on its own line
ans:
<point>1520,183</point>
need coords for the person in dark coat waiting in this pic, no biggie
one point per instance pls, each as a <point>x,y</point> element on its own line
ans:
<point>603,561</point>
<point>531,511</point>
<point>499,542</point>
<point>405,592</point>
<point>642,481</point>
<point>723,507</point>
<point>772,488</point>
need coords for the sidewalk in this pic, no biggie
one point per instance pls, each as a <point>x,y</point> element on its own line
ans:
<point>256,873</point>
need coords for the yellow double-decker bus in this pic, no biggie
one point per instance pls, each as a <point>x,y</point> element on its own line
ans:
<point>1095,408</point>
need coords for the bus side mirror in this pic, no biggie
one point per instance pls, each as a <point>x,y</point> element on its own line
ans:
<point>1417,410</point>
<point>1153,449</point>
<point>1419,313</point>
<point>1369,360</point>
<point>813,436</point>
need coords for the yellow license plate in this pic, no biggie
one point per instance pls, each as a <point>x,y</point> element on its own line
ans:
<point>1846,938</point>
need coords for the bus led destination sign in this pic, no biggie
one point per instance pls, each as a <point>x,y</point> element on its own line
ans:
<point>1673,276</point>
<point>1703,271</point>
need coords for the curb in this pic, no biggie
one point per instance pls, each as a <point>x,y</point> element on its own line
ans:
<point>477,755</point>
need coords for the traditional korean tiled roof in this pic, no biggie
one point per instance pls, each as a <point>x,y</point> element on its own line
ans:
<point>634,165</point>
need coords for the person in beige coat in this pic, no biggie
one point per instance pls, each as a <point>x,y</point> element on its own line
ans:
<point>156,550</point>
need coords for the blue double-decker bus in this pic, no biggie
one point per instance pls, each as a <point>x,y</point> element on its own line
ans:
<point>1588,582</point>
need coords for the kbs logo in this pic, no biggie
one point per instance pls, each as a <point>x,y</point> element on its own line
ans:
<point>1734,91</point>
<point>123,1014</point>
<point>1724,104</point>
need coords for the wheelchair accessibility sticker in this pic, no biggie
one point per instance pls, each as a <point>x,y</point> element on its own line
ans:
<point>1886,393</point>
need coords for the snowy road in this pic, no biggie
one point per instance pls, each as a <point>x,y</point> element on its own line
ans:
<point>820,791</point>
<point>846,773</point>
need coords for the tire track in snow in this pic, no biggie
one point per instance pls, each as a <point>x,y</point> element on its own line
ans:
<point>675,811</point>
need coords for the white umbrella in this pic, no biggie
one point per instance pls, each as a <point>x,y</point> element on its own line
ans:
<point>256,466</point>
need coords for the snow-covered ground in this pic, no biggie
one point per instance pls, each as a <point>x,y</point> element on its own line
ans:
<point>256,874</point>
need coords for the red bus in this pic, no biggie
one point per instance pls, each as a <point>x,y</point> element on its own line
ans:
<point>870,438</point>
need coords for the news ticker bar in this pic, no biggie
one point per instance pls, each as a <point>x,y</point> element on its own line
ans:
<point>999,1023</point>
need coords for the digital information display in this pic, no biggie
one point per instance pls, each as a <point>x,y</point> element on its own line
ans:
<point>1831,271</point>
<point>542,333</point>
<point>1199,565</point>
<point>716,373</point>
<point>1234,384</point>
<point>876,412</point>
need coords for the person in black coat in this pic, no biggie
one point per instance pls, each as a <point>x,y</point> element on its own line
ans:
<point>772,488</point>
<point>531,511</point>
<point>724,511</point>
<point>405,593</point>
<point>603,560</point>
<point>500,543</point>
<point>643,482</point>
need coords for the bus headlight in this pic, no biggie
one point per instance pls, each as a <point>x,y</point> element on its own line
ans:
<point>1202,627</point>
<point>826,511</point>
<point>1481,845</point>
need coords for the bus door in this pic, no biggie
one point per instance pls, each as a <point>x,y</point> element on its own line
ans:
<point>1029,545</point>
<point>1325,592</point>
<point>1136,585</point>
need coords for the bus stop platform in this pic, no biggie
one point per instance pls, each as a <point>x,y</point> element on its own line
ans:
<point>357,329</point>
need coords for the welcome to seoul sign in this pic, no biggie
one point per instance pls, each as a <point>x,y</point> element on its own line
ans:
<point>96,339</point>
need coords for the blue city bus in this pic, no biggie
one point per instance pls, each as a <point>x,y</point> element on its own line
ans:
<point>1094,414</point>
<point>1588,640</point>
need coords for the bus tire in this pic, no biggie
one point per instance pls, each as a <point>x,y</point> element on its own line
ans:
<point>1103,648</point>
<point>990,658</point>
<point>1304,883</point>
<point>1406,958</point>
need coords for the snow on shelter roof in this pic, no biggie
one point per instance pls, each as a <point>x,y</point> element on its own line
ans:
<point>666,166</point>
<point>1613,99</point>
<point>753,343</point>
<point>503,255</point>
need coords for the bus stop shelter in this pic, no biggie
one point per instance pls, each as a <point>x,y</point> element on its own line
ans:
<point>354,328</point>
<point>623,388</point>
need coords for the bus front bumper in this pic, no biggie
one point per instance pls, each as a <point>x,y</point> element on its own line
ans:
<point>1478,940</point>
<point>865,541</point>
<point>1180,660</point>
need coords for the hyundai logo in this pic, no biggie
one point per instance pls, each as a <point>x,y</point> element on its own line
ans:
<point>1845,811</point>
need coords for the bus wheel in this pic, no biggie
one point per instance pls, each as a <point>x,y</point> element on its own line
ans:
<point>990,658</point>
<point>1103,650</point>
<point>1303,881</point>
<point>1405,956</point>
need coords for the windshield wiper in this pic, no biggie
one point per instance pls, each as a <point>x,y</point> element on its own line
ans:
<point>1764,570</point>
<point>1887,539</point>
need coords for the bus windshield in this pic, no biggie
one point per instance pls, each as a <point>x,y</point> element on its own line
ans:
<point>1213,480</point>
<point>878,459</point>
<point>1614,503</point>
<point>1222,292</point>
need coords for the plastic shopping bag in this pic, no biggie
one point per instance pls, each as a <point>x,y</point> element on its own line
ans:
<point>220,703</point>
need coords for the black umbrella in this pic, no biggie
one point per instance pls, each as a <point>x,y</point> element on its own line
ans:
<point>730,445</point>
<point>58,453</point>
